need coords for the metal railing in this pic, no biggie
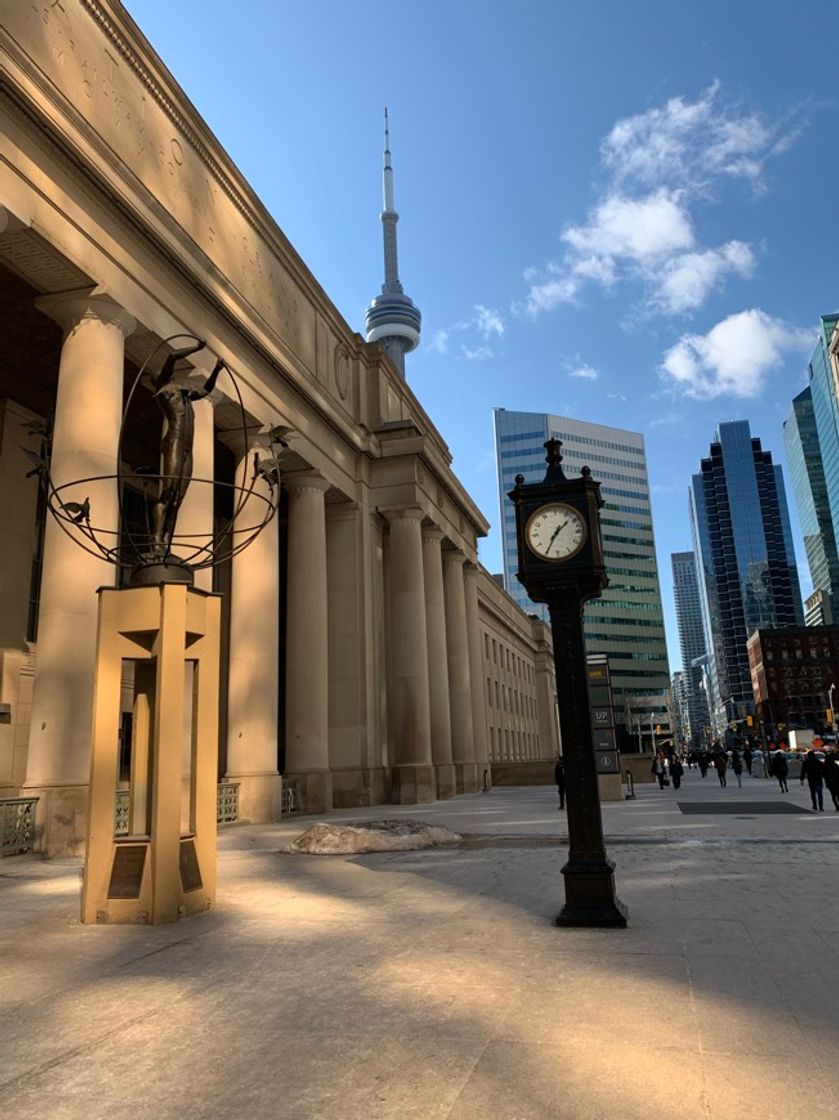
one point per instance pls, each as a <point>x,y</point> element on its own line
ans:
<point>227,807</point>
<point>17,825</point>
<point>122,815</point>
<point>291,802</point>
<point>227,802</point>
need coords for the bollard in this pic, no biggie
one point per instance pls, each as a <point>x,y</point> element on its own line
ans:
<point>630,786</point>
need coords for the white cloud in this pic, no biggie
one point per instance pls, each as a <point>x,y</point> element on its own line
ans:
<point>548,290</point>
<point>479,329</point>
<point>659,164</point>
<point>478,353</point>
<point>636,229</point>
<point>488,322</point>
<point>690,143</point>
<point>686,281</point>
<point>439,342</point>
<point>584,372</point>
<point>733,358</point>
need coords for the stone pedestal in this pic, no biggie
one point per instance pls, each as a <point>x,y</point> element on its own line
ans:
<point>165,867</point>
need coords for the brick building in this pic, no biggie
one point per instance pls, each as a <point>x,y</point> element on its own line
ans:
<point>792,672</point>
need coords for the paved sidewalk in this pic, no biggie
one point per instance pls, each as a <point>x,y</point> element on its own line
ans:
<point>426,985</point>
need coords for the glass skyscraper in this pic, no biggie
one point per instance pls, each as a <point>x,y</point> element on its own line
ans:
<point>826,413</point>
<point>746,570</point>
<point>626,623</point>
<point>804,455</point>
<point>691,642</point>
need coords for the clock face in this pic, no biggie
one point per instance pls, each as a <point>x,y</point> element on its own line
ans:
<point>556,531</point>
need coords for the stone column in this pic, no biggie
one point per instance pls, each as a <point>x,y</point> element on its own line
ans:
<point>307,644</point>
<point>195,517</point>
<point>460,686</point>
<point>438,672</point>
<point>88,414</point>
<point>253,681</point>
<point>409,707</point>
<point>476,673</point>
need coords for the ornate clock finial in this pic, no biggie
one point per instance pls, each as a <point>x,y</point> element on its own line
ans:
<point>554,472</point>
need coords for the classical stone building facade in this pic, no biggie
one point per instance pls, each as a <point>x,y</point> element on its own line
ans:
<point>359,629</point>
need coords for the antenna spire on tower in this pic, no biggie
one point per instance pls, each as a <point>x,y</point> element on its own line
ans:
<point>392,319</point>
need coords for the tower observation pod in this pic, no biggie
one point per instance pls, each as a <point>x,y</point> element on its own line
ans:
<point>392,320</point>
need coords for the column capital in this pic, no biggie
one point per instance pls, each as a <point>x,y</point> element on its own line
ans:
<point>453,556</point>
<point>297,483</point>
<point>69,309</point>
<point>471,568</point>
<point>242,441</point>
<point>410,513</point>
<point>432,533</point>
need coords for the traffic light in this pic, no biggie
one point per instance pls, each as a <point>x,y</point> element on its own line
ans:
<point>829,715</point>
<point>750,721</point>
<point>658,729</point>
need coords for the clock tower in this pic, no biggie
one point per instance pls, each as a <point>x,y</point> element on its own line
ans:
<point>561,563</point>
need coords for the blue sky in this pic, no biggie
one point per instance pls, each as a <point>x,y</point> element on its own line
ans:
<point>619,212</point>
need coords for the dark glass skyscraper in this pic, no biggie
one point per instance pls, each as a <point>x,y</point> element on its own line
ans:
<point>746,570</point>
<point>804,455</point>
<point>691,642</point>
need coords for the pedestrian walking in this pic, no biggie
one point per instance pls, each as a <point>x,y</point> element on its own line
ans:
<point>747,758</point>
<point>676,771</point>
<point>704,763</point>
<point>737,766</point>
<point>659,768</point>
<point>831,775</point>
<point>812,768</point>
<point>779,768</point>
<point>559,778</point>
<point>721,765</point>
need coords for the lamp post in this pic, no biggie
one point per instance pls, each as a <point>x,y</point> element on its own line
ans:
<point>830,692</point>
<point>560,554</point>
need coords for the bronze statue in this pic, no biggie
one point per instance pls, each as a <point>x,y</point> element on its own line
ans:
<point>175,402</point>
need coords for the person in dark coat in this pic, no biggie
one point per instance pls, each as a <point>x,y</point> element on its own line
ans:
<point>721,765</point>
<point>737,766</point>
<point>676,771</point>
<point>779,768</point>
<point>659,768</point>
<point>812,768</point>
<point>831,776</point>
<point>747,758</point>
<point>559,778</point>
<point>704,763</point>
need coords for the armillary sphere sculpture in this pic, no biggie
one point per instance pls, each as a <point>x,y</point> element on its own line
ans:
<point>151,547</point>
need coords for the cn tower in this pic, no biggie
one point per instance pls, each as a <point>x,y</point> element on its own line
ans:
<point>392,320</point>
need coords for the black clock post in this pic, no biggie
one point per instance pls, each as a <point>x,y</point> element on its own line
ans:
<point>561,563</point>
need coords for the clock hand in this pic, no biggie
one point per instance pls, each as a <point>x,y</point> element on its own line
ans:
<point>557,530</point>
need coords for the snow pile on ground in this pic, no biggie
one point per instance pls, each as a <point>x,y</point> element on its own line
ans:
<point>324,839</point>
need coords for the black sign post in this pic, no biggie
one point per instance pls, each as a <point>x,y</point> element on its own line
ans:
<point>561,563</point>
